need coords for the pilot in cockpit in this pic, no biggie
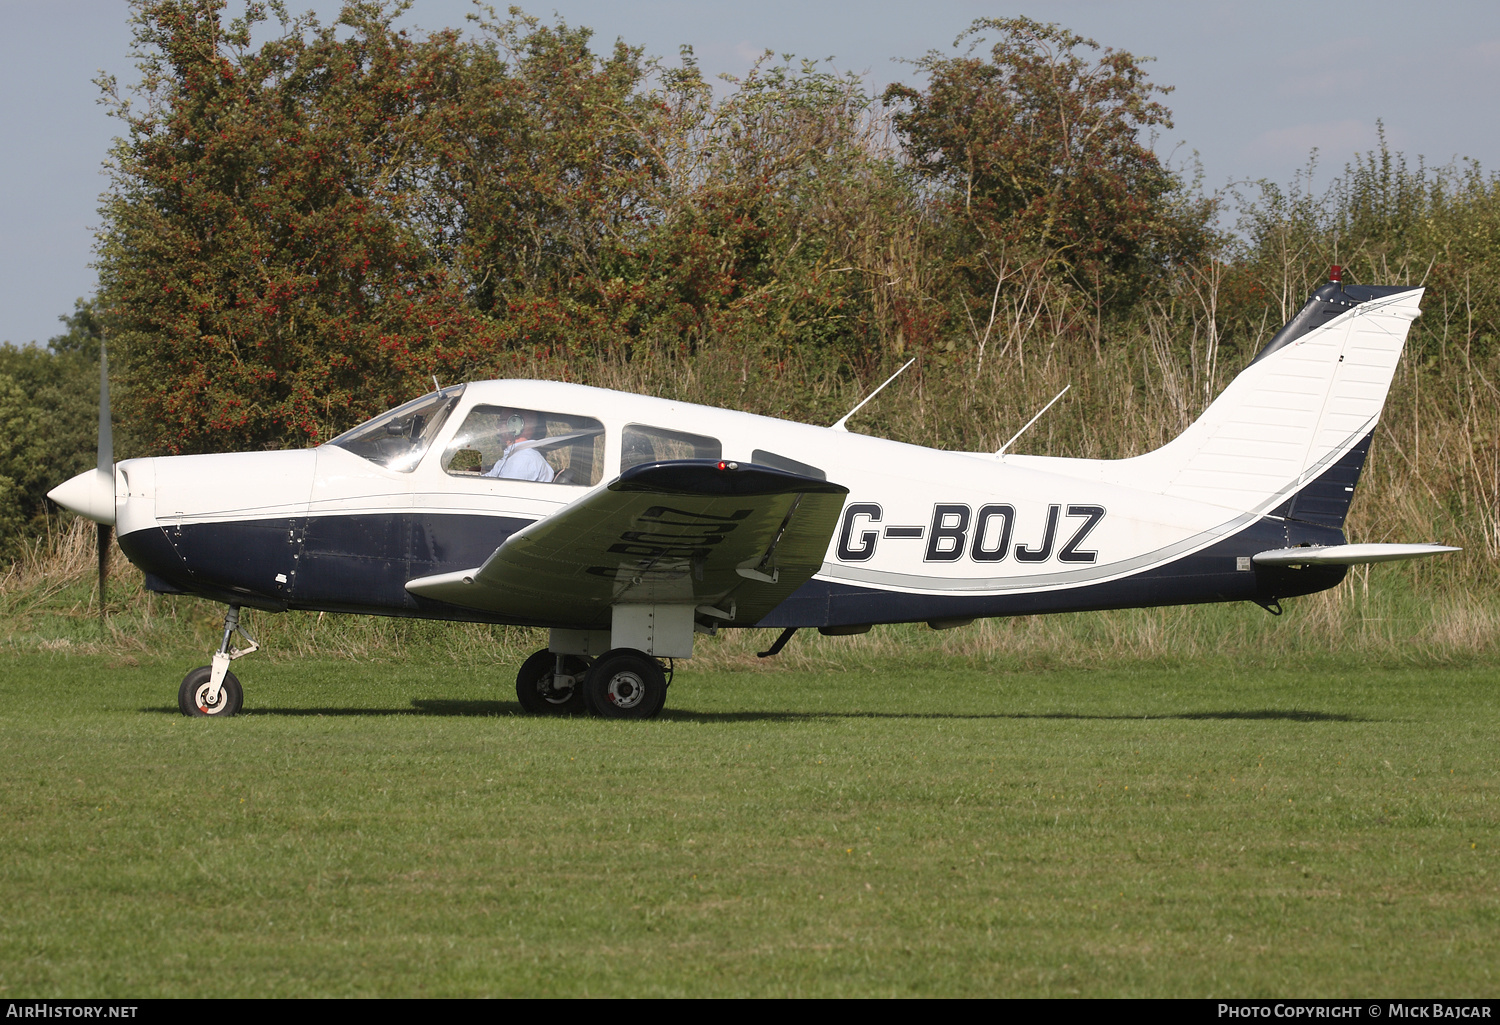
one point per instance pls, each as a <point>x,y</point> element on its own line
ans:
<point>521,460</point>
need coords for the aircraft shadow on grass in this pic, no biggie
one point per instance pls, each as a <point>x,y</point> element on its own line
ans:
<point>493,709</point>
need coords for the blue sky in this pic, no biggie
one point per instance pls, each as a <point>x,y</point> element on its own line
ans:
<point>1256,86</point>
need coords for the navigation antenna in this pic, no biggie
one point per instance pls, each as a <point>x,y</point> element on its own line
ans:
<point>1033,420</point>
<point>845,418</point>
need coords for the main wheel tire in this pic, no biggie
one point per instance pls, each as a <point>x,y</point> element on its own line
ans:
<point>626,684</point>
<point>534,688</point>
<point>192,696</point>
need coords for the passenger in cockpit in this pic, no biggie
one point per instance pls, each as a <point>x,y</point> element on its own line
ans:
<point>521,461</point>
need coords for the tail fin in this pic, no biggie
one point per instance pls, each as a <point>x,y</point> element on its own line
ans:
<point>1289,435</point>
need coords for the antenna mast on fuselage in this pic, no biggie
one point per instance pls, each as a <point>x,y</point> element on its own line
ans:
<point>839,426</point>
<point>1033,420</point>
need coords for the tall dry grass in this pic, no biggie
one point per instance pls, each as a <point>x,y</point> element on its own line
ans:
<point>46,564</point>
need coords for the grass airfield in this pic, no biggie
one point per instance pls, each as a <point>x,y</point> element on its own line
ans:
<point>926,827</point>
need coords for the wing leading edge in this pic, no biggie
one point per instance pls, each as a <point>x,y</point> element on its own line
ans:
<point>734,540</point>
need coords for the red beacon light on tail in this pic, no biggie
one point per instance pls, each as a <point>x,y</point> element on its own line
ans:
<point>1336,275</point>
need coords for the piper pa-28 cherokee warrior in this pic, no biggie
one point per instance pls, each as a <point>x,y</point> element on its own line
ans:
<point>626,524</point>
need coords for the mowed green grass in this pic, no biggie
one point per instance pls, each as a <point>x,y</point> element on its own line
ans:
<point>949,829</point>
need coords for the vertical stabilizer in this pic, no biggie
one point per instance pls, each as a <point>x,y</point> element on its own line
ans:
<point>1289,434</point>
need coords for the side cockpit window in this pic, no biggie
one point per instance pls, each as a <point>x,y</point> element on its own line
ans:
<point>511,443</point>
<point>397,440</point>
<point>640,444</point>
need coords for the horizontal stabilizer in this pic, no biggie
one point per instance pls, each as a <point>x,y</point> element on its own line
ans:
<point>1346,555</point>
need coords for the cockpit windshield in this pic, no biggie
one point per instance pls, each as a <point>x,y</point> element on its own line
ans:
<point>397,440</point>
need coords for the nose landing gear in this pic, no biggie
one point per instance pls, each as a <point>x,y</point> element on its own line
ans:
<point>212,690</point>
<point>196,695</point>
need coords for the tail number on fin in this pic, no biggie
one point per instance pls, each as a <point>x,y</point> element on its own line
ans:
<point>955,531</point>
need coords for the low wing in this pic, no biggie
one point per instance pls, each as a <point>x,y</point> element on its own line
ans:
<point>1346,555</point>
<point>735,540</point>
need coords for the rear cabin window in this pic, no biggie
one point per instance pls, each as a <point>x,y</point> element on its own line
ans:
<point>508,443</point>
<point>642,444</point>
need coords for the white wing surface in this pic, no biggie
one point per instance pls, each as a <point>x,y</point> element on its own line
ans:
<point>733,539</point>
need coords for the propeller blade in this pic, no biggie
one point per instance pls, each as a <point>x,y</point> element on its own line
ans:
<point>106,429</point>
<point>92,492</point>
<point>106,470</point>
<point>103,540</point>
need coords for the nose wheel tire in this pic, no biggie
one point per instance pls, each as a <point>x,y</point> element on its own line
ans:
<point>536,691</point>
<point>192,696</point>
<point>626,684</point>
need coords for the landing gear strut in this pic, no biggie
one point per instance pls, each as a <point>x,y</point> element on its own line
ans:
<point>213,689</point>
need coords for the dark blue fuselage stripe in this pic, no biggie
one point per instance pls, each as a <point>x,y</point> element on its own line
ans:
<point>357,563</point>
<point>360,564</point>
<point>1210,575</point>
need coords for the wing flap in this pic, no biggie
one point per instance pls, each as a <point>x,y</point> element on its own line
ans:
<point>700,532</point>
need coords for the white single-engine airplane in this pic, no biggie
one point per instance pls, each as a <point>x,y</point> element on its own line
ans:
<point>627,524</point>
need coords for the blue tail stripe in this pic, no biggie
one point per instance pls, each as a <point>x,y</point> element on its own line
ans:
<point>1325,500</point>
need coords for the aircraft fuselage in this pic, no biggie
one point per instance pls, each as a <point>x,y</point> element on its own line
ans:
<point>924,535</point>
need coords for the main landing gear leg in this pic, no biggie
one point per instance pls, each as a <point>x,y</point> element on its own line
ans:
<point>626,684</point>
<point>552,684</point>
<point>212,689</point>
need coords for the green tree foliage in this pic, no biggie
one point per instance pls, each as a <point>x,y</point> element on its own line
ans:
<point>542,161</point>
<point>1039,145</point>
<point>303,231</point>
<point>49,402</point>
<point>261,259</point>
<point>778,206</point>
<point>1386,222</point>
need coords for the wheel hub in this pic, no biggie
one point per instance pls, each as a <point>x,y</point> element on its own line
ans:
<point>552,693</point>
<point>625,689</point>
<point>207,707</point>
